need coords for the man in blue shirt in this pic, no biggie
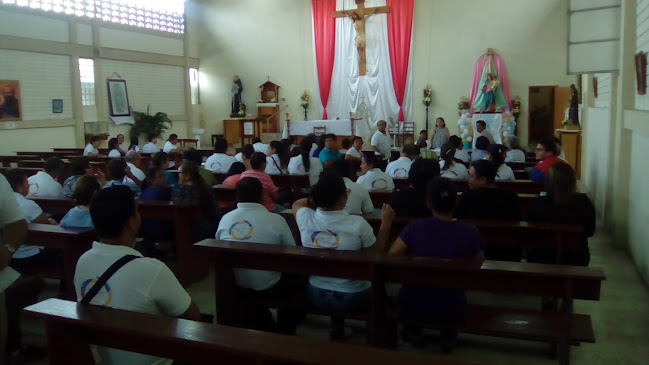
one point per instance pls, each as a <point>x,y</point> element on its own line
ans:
<point>329,154</point>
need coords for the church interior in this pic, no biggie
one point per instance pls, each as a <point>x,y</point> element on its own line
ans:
<point>207,72</point>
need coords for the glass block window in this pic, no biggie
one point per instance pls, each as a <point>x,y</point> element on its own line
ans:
<point>194,95</point>
<point>87,78</point>
<point>163,15</point>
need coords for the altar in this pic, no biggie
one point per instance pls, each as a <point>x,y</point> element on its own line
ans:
<point>342,128</point>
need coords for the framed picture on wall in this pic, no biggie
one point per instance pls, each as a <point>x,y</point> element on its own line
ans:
<point>57,106</point>
<point>118,98</point>
<point>10,101</point>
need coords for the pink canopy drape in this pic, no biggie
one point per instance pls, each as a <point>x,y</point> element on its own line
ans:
<point>324,34</point>
<point>503,77</point>
<point>399,35</point>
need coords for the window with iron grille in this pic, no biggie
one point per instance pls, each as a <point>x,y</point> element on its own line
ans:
<point>87,78</point>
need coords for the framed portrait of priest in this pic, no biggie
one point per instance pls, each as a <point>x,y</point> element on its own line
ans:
<point>10,101</point>
<point>117,98</point>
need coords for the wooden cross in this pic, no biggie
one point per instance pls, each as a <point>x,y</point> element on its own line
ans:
<point>358,16</point>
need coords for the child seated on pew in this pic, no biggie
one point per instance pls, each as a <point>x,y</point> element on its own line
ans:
<point>496,154</point>
<point>304,164</point>
<point>79,216</point>
<point>324,224</point>
<point>449,168</point>
<point>441,237</point>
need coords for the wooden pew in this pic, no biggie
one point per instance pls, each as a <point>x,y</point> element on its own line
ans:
<point>6,161</point>
<point>507,278</point>
<point>72,242</point>
<point>380,197</point>
<point>30,171</point>
<point>72,327</point>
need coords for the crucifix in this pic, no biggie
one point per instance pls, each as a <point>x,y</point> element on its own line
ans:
<point>359,16</point>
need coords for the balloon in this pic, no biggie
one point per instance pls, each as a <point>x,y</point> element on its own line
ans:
<point>509,128</point>
<point>463,139</point>
<point>507,110</point>
<point>505,139</point>
<point>513,123</point>
<point>467,145</point>
<point>469,139</point>
<point>465,135</point>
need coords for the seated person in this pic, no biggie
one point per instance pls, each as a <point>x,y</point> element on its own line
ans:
<point>191,154</point>
<point>449,168</point>
<point>321,218</point>
<point>234,174</point>
<point>133,146</point>
<point>514,151</point>
<point>461,155</point>
<point>91,147</point>
<point>134,162</point>
<point>171,145</point>
<point>258,166</point>
<point>79,216</point>
<point>481,130</point>
<point>411,201</point>
<point>277,158</point>
<point>354,153</point>
<point>401,166</point>
<point>79,166</point>
<point>29,256</point>
<point>155,188</point>
<point>441,237</point>
<point>314,146</point>
<point>481,145</point>
<point>346,143</point>
<point>548,154</point>
<point>304,164</point>
<point>143,285</point>
<point>219,161</point>
<point>258,146</point>
<point>373,178</point>
<point>112,148</point>
<point>245,154</point>
<point>422,142</point>
<point>192,188</point>
<point>563,204</point>
<point>45,183</point>
<point>321,145</point>
<point>117,171</point>
<point>151,146</point>
<point>161,159</point>
<point>252,222</point>
<point>358,198</point>
<point>485,200</point>
<point>329,153</point>
<point>496,154</point>
<point>120,144</point>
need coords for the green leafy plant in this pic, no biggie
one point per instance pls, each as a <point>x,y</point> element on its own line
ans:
<point>150,125</point>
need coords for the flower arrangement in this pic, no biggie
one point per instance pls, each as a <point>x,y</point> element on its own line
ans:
<point>516,107</point>
<point>304,100</point>
<point>428,92</point>
<point>463,105</point>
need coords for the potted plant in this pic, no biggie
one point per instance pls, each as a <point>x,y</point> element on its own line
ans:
<point>150,125</point>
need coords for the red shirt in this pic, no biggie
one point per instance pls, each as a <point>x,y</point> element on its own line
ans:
<point>267,185</point>
<point>544,165</point>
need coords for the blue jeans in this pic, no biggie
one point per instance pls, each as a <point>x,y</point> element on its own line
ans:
<point>339,303</point>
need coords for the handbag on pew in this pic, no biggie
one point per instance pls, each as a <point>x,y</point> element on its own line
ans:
<point>105,276</point>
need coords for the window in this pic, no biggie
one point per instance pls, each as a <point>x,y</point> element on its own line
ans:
<point>194,95</point>
<point>163,15</point>
<point>87,78</point>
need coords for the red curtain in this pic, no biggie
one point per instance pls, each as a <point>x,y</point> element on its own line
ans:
<point>399,34</point>
<point>324,33</point>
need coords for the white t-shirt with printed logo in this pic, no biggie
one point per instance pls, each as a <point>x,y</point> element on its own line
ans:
<point>43,184</point>
<point>219,162</point>
<point>505,173</point>
<point>335,230</point>
<point>375,179</point>
<point>456,172</point>
<point>295,166</point>
<point>143,285</point>
<point>252,222</point>
<point>10,211</point>
<point>399,168</point>
<point>274,165</point>
<point>358,199</point>
<point>354,152</point>
<point>31,211</point>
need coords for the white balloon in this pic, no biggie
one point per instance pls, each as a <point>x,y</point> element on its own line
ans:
<point>469,139</point>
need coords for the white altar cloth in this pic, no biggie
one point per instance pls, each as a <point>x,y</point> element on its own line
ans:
<point>494,126</point>
<point>340,127</point>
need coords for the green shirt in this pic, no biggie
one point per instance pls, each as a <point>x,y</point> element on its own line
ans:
<point>207,175</point>
<point>329,155</point>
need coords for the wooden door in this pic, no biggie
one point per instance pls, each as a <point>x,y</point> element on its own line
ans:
<point>540,112</point>
<point>561,101</point>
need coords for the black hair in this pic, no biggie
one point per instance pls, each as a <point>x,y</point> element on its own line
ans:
<point>305,151</point>
<point>85,187</point>
<point>341,167</point>
<point>411,150</point>
<point>486,169</point>
<point>220,145</point>
<point>422,171</point>
<point>236,168</point>
<point>442,195</point>
<point>116,169</point>
<point>112,144</point>
<point>447,154</point>
<point>482,123</point>
<point>346,143</point>
<point>193,155</point>
<point>150,137</point>
<point>497,153</point>
<point>321,141</point>
<point>249,190</point>
<point>549,145</point>
<point>247,150</point>
<point>330,135</point>
<point>295,151</point>
<point>53,164</point>
<point>371,159</point>
<point>424,131</point>
<point>205,195</point>
<point>134,142</point>
<point>455,141</point>
<point>482,143</point>
<point>255,140</point>
<point>110,210</point>
<point>15,177</point>
<point>173,136</point>
<point>79,165</point>
<point>355,138</point>
<point>329,188</point>
<point>287,143</point>
<point>159,158</point>
<point>561,183</point>
<point>281,151</point>
<point>150,175</point>
<point>443,121</point>
<point>257,160</point>
<point>94,139</point>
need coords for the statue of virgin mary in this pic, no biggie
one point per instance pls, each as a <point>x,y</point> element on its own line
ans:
<point>490,96</point>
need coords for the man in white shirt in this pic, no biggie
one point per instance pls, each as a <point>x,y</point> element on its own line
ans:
<point>358,198</point>
<point>481,128</point>
<point>381,143</point>
<point>121,147</point>
<point>374,178</point>
<point>354,153</point>
<point>258,146</point>
<point>134,161</point>
<point>220,161</point>
<point>91,147</point>
<point>514,152</point>
<point>401,167</point>
<point>151,146</point>
<point>143,285</point>
<point>252,222</point>
<point>45,183</point>
<point>171,146</point>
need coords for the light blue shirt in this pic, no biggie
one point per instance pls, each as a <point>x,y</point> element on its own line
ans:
<point>77,218</point>
<point>134,188</point>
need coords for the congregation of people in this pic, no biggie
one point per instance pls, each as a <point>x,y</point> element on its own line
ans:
<point>328,217</point>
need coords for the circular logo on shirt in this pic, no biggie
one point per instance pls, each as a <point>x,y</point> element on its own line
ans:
<point>325,239</point>
<point>104,295</point>
<point>379,184</point>
<point>33,188</point>
<point>401,172</point>
<point>215,166</point>
<point>241,230</point>
<point>300,168</point>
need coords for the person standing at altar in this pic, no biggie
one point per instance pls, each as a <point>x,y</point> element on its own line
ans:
<point>440,133</point>
<point>329,153</point>
<point>481,129</point>
<point>381,144</point>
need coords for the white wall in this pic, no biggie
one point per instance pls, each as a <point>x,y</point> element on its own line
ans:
<point>638,228</point>
<point>603,99</point>
<point>596,131</point>
<point>33,26</point>
<point>642,44</point>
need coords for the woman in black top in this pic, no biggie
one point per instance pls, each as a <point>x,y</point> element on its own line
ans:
<point>563,204</point>
<point>411,201</point>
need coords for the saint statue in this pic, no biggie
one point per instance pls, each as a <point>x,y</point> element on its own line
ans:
<point>490,95</point>
<point>573,108</point>
<point>237,88</point>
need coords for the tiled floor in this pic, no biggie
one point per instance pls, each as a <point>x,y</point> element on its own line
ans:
<point>620,321</point>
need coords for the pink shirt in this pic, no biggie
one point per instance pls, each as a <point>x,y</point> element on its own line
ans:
<point>267,185</point>
<point>232,181</point>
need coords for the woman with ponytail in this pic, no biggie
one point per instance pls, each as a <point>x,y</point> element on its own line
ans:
<point>303,164</point>
<point>496,153</point>
<point>277,158</point>
<point>448,167</point>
